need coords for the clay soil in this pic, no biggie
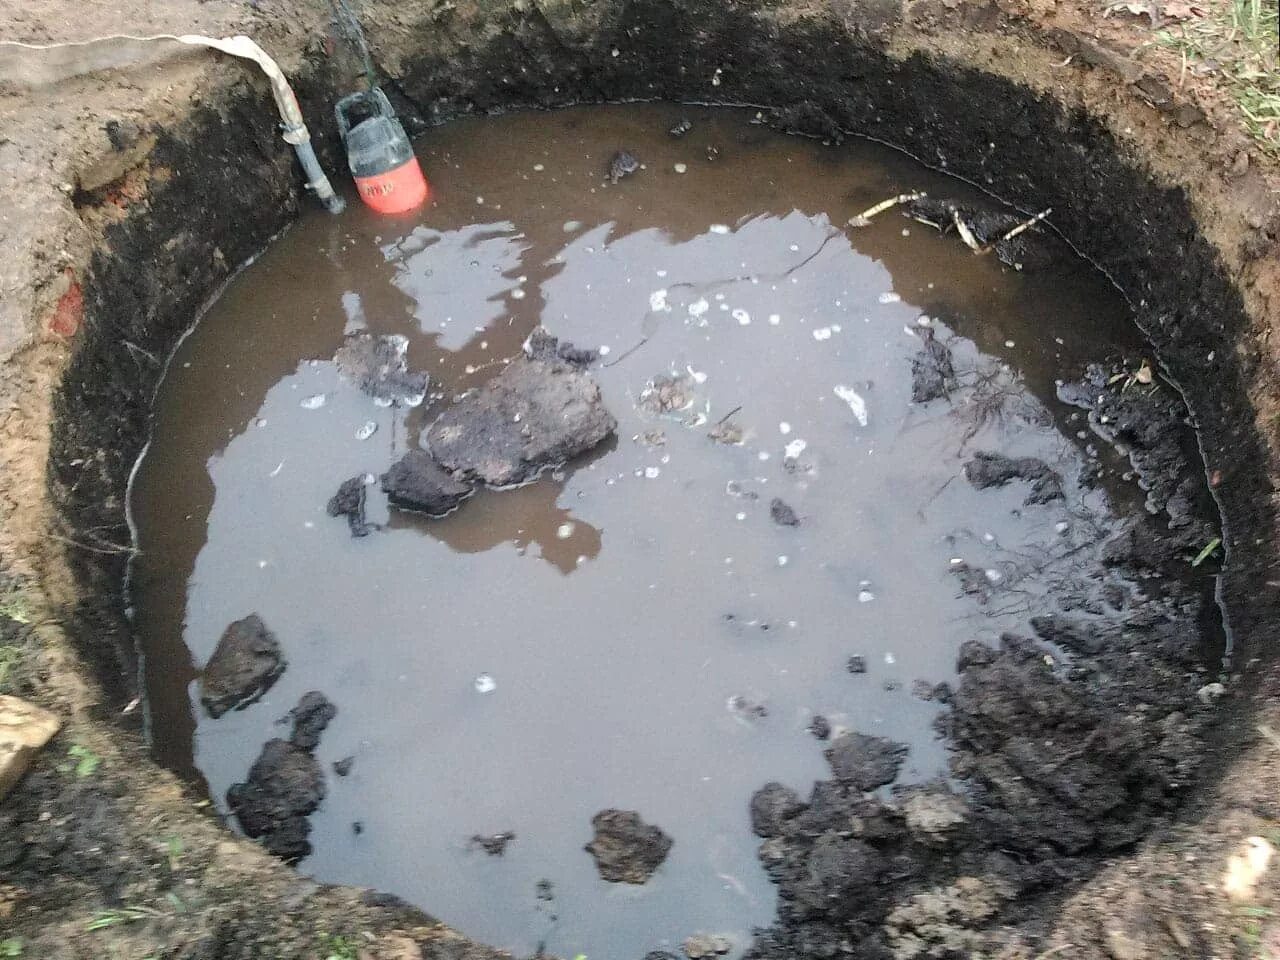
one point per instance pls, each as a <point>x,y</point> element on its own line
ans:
<point>131,191</point>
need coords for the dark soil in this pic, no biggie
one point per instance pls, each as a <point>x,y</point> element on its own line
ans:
<point>244,665</point>
<point>995,470</point>
<point>865,762</point>
<point>534,415</point>
<point>625,848</point>
<point>1032,249</point>
<point>1070,746</point>
<point>349,502</point>
<point>285,784</point>
<point>377,366</point>
<point>416,482</point>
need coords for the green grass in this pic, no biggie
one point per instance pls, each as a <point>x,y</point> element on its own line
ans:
<point>339,948</point>
<point>14,606</point>
<point>1239,43</point>
<point>10,656</point>
<point>11,947</point>
<point>82,761</point>
<point>105,919</point>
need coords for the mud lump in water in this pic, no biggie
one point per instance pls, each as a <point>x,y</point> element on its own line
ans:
<point>244,665</point>
<point>541,411</point>
<point>625,848</point>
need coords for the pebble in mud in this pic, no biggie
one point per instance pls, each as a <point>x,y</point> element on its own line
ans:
<point>856,664</point>
<point>343,767</point>
<point>625,848</point>
<point>820,727</point>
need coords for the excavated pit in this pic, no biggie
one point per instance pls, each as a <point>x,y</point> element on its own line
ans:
<point>221,204</point>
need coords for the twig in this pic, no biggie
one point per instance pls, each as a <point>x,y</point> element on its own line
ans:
<point>864,218</point>
<point>626,353</point>
<point>728,415</point>
<point>966,234</point>
<point>1052,950</point>
<point>109,549</point>
<point>1027,225</point>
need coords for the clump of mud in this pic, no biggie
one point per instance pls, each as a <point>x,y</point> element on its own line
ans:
<point>1069,744</point>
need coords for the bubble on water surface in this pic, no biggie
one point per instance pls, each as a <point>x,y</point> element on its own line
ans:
<point>719,228</point>
<point>741,316</point>
<point>484,683</point>
<point>313,402</point>
<point>366,430</point>
<point>889,297</point>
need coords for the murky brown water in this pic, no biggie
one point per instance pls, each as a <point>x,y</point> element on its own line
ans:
<point>600,600</point>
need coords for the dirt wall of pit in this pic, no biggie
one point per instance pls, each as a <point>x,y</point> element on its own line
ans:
<point>160,181</point>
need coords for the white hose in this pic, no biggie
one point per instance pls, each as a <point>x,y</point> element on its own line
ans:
<point>59,60</point>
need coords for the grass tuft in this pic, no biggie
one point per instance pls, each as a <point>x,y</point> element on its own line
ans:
<point>1239,42</point>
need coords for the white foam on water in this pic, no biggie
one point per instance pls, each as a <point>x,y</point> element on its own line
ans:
<point>855,402</point>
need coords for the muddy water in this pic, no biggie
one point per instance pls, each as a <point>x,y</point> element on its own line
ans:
<point>621,604</point>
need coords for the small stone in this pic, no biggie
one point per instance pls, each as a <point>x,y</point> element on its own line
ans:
<point>771,806</point>
<point>244,665</point>
<point>783,514</point>
<point>702,945</point>
<point>494,844</point>
<point>349,502</point>
<point>536,414</point>
<point>625,848</point>
<point>343,767</point>
<point>416,482</point>
<point>820,727</point>
<point>1211,692</point>
<point>865,762</point>
<point>310,717</point>
<point>856,664</point>
<point>376,364</point>
<point>25,729</point>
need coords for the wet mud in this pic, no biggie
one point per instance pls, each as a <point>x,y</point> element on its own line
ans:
<point>669,621</point>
